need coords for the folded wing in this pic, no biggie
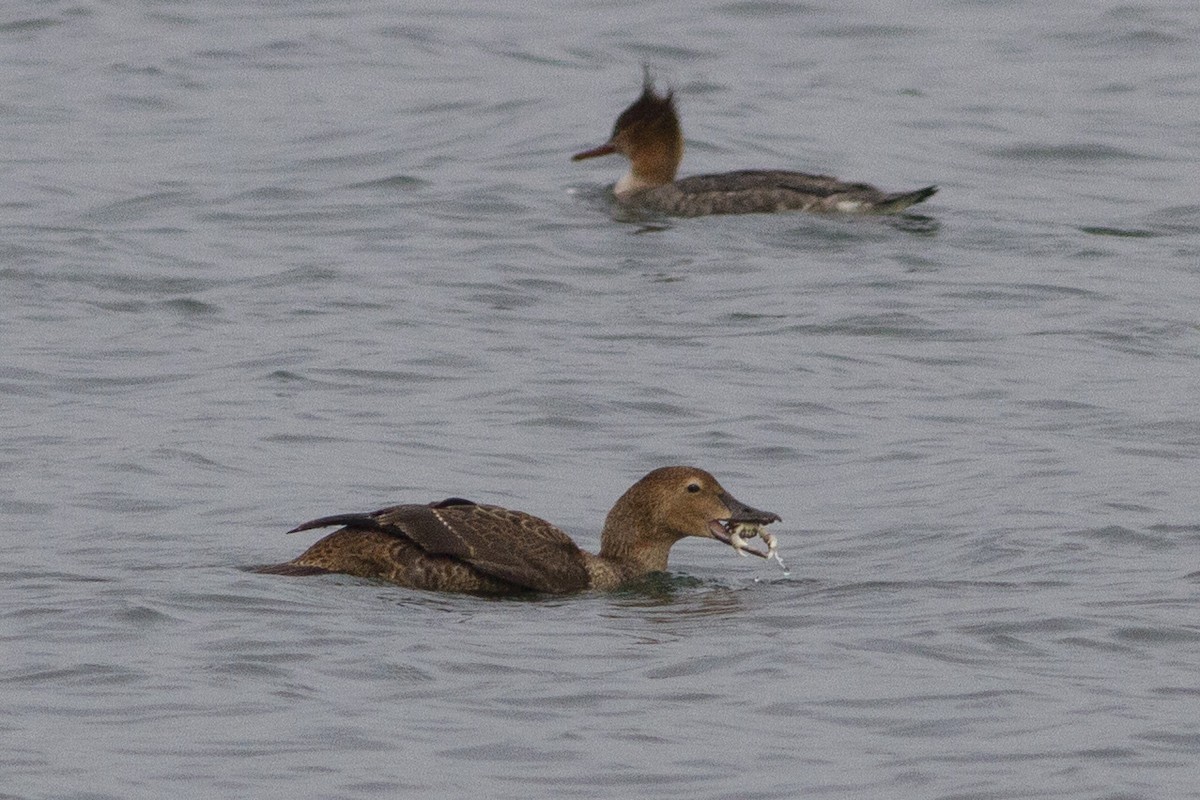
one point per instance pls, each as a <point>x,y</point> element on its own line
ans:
<point>509,545</point>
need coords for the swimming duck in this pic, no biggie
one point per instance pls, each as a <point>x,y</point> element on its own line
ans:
<point>649,135</point>
<point>456,545</point>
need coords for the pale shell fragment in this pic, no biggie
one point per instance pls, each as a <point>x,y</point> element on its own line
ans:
<point>748,530</point>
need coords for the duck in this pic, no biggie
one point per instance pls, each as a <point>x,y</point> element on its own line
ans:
<point>649,135</point>
<point>456,545</point>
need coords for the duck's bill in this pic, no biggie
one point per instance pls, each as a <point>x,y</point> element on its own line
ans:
<point>606,149</point>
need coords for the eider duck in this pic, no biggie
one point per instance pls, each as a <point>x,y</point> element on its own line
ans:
<point>649,135</point>
<point>456,545</point>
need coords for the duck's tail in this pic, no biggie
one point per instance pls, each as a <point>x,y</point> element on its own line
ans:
<point>288,568</point>
<point>902,200</point>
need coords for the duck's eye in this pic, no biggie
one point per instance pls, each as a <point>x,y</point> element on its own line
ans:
<point>693,487</point>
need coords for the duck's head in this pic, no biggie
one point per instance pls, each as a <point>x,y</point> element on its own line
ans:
<point>649,135</point>
<point>669,504</point>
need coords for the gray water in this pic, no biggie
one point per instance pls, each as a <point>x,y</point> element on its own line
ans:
<point>262,262</point>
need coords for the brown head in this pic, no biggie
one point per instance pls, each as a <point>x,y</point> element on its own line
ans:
<point>664,507</point>
<point>649,135</point>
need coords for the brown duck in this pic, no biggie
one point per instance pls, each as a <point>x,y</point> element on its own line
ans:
<point>459,546</point>
<point>649,135</point>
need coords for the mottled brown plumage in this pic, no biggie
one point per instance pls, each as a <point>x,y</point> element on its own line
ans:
<point>648,133</point>
<point>457,545</point>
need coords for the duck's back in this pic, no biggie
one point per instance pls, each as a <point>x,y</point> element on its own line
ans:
<point>454,545</point>
<point>756,191</point>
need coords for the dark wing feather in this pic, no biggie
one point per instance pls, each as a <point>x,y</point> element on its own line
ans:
<point>367,522</point>
<point>510,545</point>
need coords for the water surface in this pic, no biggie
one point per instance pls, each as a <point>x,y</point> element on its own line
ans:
<point>263,263</point>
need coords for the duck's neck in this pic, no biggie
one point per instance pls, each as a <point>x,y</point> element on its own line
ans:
<point>636,558</point>
<point>628,552</point>
<point>651,165</point>
<point>606,574</point>
<point>633,182</point>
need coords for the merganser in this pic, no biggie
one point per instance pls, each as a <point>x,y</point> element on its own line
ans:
<point>459,546</point>
<point>649,135</point>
